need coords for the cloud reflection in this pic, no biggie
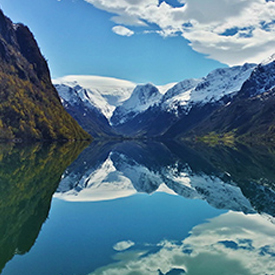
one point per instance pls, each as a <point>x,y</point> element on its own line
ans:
<point>124,245</point>
<point>233,243</point>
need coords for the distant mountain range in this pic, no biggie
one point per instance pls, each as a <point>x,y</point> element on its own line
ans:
<point>238,99</point>
<point>250,114</point>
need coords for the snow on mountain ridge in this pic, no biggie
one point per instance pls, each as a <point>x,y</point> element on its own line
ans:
<point>120,100</point>
<point>113,89</point>
<point>268,60</point>
<point>261,80</point>
<point>73,94</point>
<point>143,97</point>
<point>212,88</point>
<point>104,93</point>
<point>67,93</point>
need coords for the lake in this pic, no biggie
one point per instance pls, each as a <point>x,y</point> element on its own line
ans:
<point>137,207</point>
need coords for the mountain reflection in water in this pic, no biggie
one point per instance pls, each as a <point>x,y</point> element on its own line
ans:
<point>29,175</point>
<point>210,211</point>
<point>239,178</point>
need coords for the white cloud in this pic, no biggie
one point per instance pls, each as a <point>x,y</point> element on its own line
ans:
<point>123,31</point>
<point>232,32</point>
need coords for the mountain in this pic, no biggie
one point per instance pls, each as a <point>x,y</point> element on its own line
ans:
<point>108,92</point>
<point>142,98</point>
<point>188,108</point>
<point>88,108</point>
<point>184,105</point>
<point>91,100</point>
<point>116,108</point>
<point>30,108</point>
<point>250,115</point>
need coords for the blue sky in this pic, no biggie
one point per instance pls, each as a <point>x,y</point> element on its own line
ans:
<point>147,40</point>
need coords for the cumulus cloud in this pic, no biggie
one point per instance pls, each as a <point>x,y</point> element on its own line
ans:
<point>232,32</point>
<point>123,31</point>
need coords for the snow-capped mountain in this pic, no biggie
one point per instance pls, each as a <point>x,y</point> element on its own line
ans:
<point>250,114</point>
<point>118,107</point>
<point>184,105</point>
<point>143,97</point>
<point>91,100</point>
<point>87,107</point>
<point>261,80</point>
<point>104,93</point>
<point>75,94</point>
<point>210,89</point>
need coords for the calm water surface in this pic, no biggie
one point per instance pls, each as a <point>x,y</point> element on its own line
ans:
<point>136,208</point>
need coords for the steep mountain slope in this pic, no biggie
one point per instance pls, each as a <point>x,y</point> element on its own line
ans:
<point>145,111</point>
<point>142,98</point>
<point>184,105</point>
<point>88,108</point>
<point>29,104</point>
<point>251,113</point>
<point>91,100</point>
<point>114,91</point>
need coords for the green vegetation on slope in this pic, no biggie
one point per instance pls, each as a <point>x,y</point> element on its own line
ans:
<point>30,108</point>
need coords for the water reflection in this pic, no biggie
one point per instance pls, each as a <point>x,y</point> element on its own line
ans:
<point>113,229</point>
<point>232,243</point>
<point>29,175</point>
<point>239,179</point>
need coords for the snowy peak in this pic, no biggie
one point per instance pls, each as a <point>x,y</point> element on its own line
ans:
<point>261,80</point>
<point>114,90</point>
<point>210,89</point>
<point>181,88</point>
<point>223,81</point>
<point>74,94</point>
<point>270,59</point>
<point>132,110</point>
<point>67,94</point>
<point>142,98</point>
<point>103,93</point>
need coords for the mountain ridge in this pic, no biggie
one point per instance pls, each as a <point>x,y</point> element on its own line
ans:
<point>168,113</point>
<point>250,115</point>
<point>30,108</point>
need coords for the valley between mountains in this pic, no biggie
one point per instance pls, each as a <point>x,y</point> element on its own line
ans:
<point>227,104</point>
<point>237,102</point>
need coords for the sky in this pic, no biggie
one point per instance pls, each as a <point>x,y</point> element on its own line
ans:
<point>147,40</point>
